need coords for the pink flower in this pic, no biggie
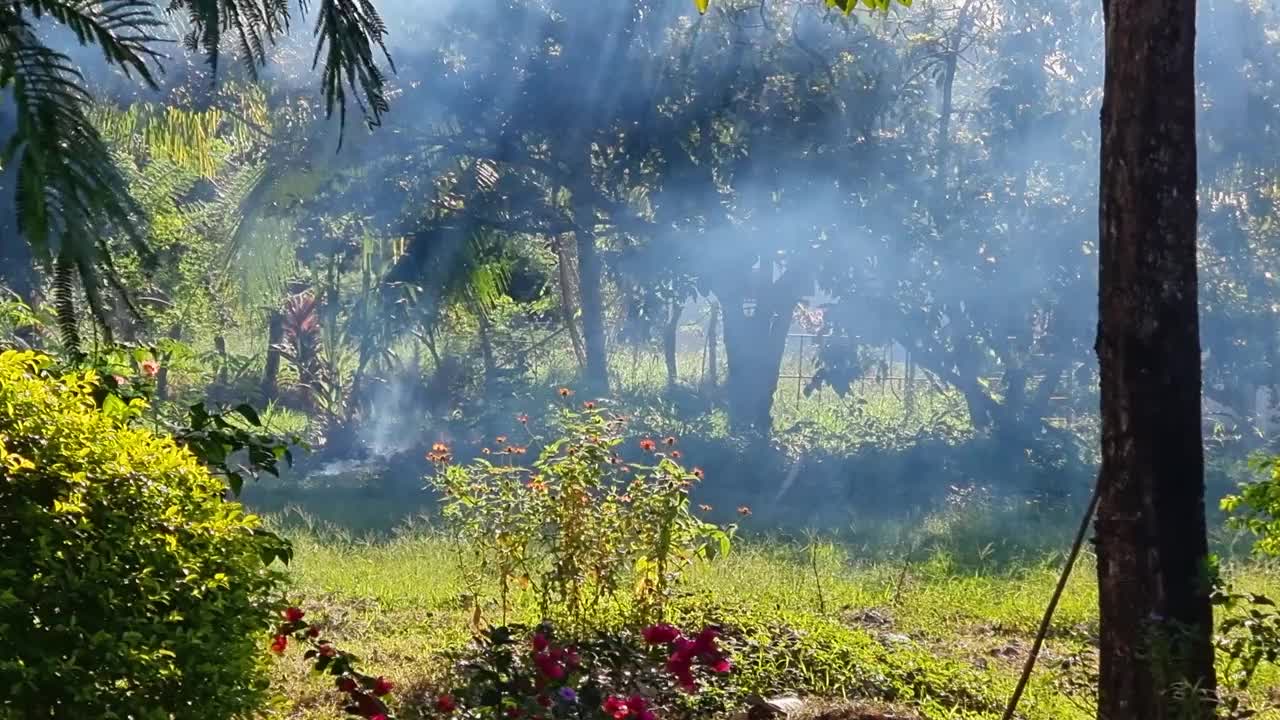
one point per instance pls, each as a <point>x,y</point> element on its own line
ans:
<point>379,716</point>
<point>660,634</point>
<point>149,368</point>
<point>540,642</point>
<point>722,666</point>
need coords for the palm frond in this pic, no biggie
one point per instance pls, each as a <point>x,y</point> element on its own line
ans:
<point>124,29</point>
<point>69,192</point>
<point>350,35</point>
<point>348,32</point>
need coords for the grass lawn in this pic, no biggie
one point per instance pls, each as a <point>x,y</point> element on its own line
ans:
<point>928,639</point>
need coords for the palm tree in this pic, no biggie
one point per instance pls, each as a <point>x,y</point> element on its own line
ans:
<point>69,195</point>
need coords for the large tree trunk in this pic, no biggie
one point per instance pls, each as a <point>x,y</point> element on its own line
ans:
<point>589,272</point>
<point>754,344</point>
<point>1156,619</point>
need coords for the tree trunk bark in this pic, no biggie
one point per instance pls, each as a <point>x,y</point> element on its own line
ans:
<point>713,349</point>
<point>753,348</point>
<point>568,298</point>
<point>669,335</point>
<point>1156,654</point>
<point>271,369</point>
<point>162,375</point>
<point>589,271</point>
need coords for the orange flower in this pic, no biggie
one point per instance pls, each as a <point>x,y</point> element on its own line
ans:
<point>150,367</point>
<point>524,419</point>
<point>669,440</point>
<point>675,454</point>
<point>589,405</point>
<point>697,472</point>
<point>704,508</point>
<point>744,511</point>
<point>648,445</point>
<point>440,448</point>
<point>565,392</point>
<point>500,439</point>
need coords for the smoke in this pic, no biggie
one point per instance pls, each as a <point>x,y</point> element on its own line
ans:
<point>779,150</point>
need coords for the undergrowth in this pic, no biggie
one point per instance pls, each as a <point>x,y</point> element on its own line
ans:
<point>814,617</point>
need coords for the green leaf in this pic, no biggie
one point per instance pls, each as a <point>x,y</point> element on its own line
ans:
<point>702,6</point>
<point>248,413</point>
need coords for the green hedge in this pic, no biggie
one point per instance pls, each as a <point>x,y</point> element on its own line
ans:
<point>128,587</point>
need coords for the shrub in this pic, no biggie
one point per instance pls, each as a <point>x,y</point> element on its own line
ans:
<point>582,523</point>
<point>128,587</point>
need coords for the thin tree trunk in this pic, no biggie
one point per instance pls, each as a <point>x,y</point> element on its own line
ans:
<point>1155,650</point>
<point>162,375</point>
<point>669,335</point>
<point>486,350</point>
<point>271,370</point>
<point>568,297</point>
<point>713,342</point>
<point>589,272</point>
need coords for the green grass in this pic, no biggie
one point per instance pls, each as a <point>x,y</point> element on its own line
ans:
<point>942,638</point>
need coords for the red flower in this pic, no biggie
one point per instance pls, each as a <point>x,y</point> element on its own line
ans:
<point>446,704</point>
<point>565,392</point>
<point>648,445</point>
<point>722,666</point>
<point>347,685</point>
<point>524,419</point>
<point>540,642</point>
<point>379,716</point>
<point>327,650</point>
<point>313,631</point>
<point>382,686</point>
<point>616,707</point>
<point>589,405</point>
<point>675,454</point>
<point>660,634</point>
<point>279,643</point>
<point>293,614</point>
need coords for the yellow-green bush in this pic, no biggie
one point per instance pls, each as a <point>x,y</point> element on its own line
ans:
<point>128,588</point>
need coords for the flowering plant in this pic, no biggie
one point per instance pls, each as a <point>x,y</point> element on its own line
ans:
<point>364,694</point>
<point>582,521</point>
<point>543,679</point>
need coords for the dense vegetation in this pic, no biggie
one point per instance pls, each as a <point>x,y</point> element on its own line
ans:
<point>633,360</point>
